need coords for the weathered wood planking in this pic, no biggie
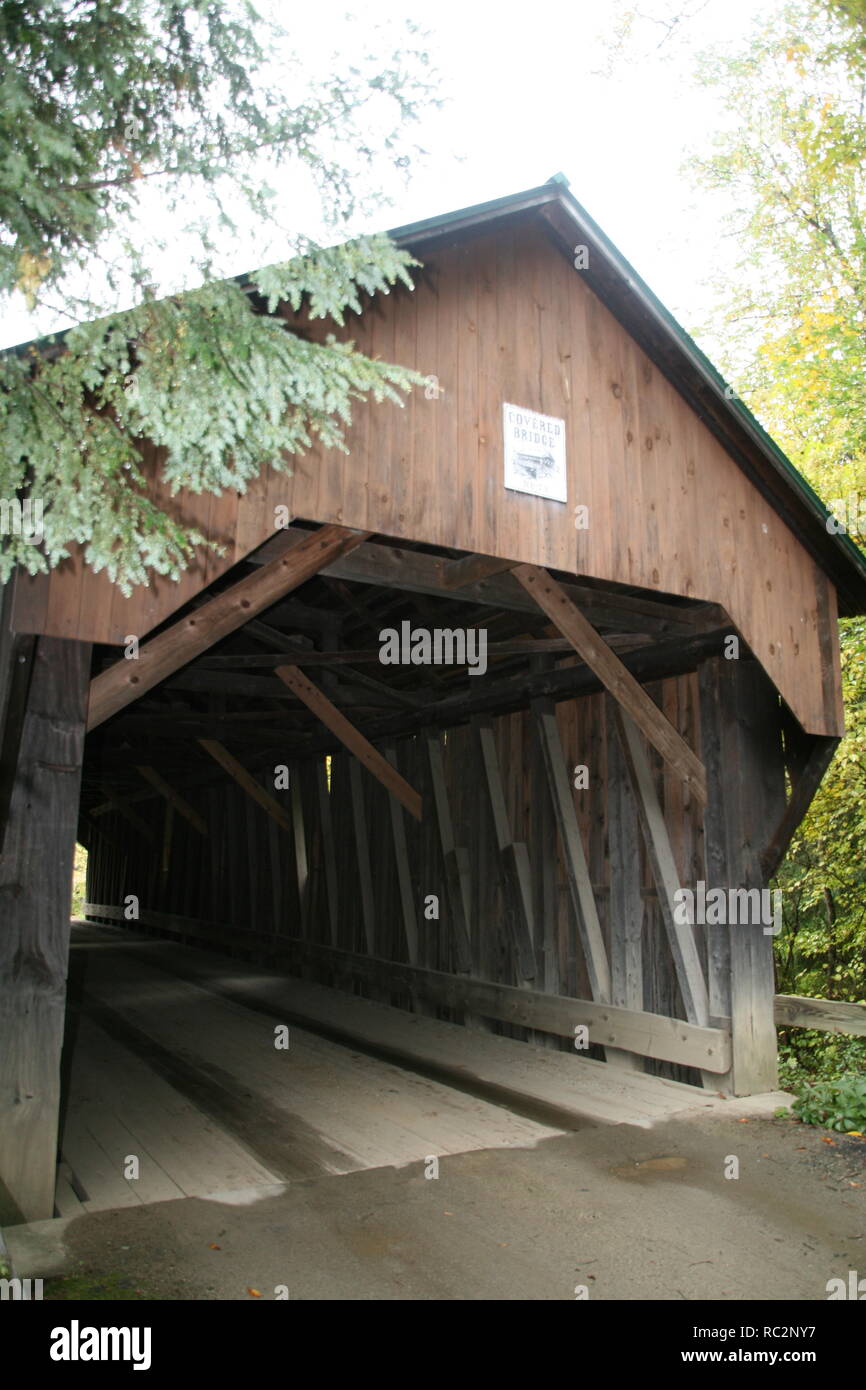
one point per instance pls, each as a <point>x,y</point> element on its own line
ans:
<point>669,509</point>
<point>829,1015</point>
<point>658,846</point>
<point>35,890</point>
<point>372,915</point>
<point>746,800</point>
<point>730,712</point>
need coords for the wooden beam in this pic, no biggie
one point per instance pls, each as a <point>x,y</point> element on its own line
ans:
<point>626,906</point>
<point>650,1035</point>
<point>254,856</point>
<point>544,857</point>
<point>389,694</point>
<point>328,851</point>
<point>299,839</point>
<point>174,798</point>
<point>687,962</point>
<point>194,634</point>
<point>827,1015</point>
<point>458,887</point>
<point>268,635</point>
<point>407,899</point>
<point>397,567</point>
<point>167,831</point>
<point>96,828</point>
<point>797,744</point>
<point>653,662</point>
<point>472,568</point>
<point>579,883</point>
<point>615,677</point>
<point>118,803</point>
<point>515,646</point>
<point>264,687</point>
<point>245,780</point>
<point>513,855</point>
<point>276,865</point>
<point>35,889</point>
<point>803,791</point>
<point>351,737</point>
<point>357,605</point>
<point>362,851</point>
<point>740,715</point>
<point>716,934</point>
<point>18,653</point>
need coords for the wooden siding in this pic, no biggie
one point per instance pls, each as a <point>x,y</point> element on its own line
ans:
<point>504,317</point>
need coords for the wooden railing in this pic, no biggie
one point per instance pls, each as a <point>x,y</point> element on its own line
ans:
<point>829,1015</point>
<point>648,1035</point>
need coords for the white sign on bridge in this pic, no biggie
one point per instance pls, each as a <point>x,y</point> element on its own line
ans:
<point>534,453</point>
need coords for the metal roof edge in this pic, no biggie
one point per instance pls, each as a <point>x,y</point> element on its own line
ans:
<point>447,222</point>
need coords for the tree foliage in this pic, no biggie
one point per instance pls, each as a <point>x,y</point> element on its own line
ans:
<point>793,317</point>
<point>793,171</point>
<point>100,104</point>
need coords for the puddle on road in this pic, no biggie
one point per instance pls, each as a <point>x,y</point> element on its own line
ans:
<point>650,1167</point>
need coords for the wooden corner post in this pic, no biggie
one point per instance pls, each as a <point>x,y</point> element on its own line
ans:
<point>35,891</point>
<point>742,751</point>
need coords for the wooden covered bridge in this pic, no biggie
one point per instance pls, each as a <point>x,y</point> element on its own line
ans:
<point>634,601</point>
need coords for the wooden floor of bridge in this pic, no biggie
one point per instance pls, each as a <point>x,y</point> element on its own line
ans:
<point>171,1061</point>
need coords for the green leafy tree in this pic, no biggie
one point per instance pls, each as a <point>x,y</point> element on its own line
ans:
<point>792,321</point>
<point>792,170</point>
<point>117,115</point>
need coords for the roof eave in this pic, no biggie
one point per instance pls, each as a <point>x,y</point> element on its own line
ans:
<point>646,318</point>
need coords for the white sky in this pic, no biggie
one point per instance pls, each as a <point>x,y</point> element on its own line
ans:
<point>525,98</point>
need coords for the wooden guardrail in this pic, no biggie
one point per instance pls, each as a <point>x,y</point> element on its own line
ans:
<point>829,1015</point>
<point>648,1035</point>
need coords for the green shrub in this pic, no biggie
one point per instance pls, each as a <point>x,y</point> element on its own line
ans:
<point>805,1054</point>
<point>839,1104</point>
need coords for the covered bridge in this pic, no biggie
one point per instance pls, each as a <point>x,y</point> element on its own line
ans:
<point>634,602</point>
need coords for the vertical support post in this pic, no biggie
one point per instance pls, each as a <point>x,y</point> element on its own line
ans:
<point>362,850</point>
<point>741,723</point>
<point>407,900</point>
<point>252,830</point>
<point>543,854</point>
<point>687,963</point>
<point>328,851</point>
<point>626,910</point>
<point>301,866</point>
<point>580,887</point>
<point>457,882</point>
<point>276,865</point>
<point>167,829</point>
<point>514,857</point>
<point>35,892</point>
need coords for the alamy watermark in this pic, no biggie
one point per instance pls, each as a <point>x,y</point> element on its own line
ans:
<point>23,519</point>
<point>855,1288</point>
<point>441,646</point>
<point>21,1290</point>
<point>733,906</point>
<point>848,515</point>
<point>77,1343</point>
